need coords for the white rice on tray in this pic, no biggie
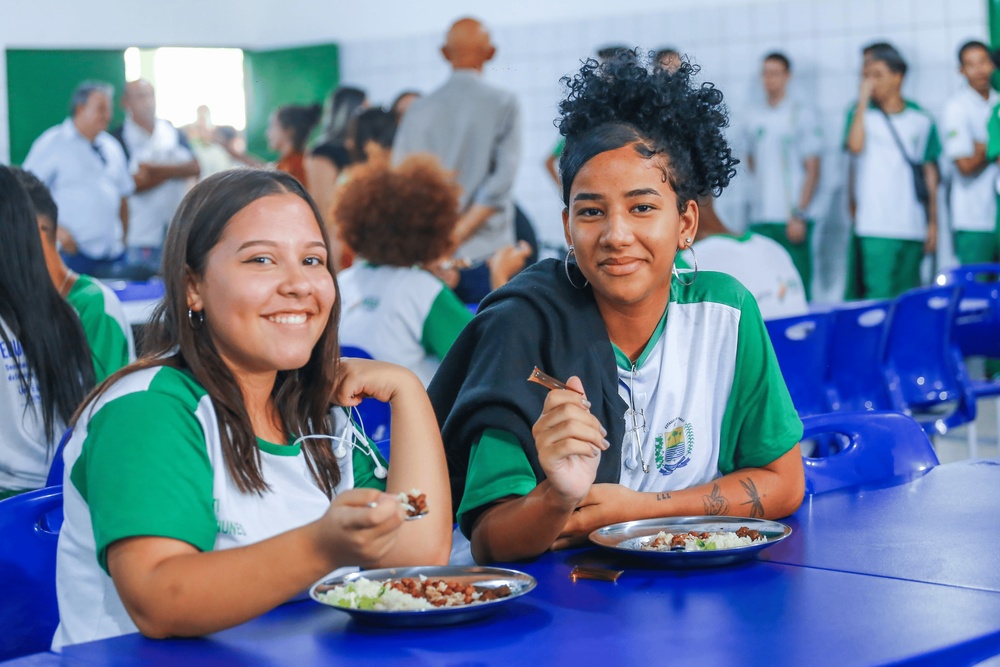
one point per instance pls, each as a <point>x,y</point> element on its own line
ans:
<point>715,541</point>
<point>377,595</point>
<point>364,593</point>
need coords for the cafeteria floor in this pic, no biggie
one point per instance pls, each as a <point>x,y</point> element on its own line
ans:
<point>954,445</point>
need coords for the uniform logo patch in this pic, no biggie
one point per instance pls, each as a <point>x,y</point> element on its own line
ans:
<point>673,446</point>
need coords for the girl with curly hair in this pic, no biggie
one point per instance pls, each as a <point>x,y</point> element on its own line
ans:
<point>675,404</point>
<point>397,219</point>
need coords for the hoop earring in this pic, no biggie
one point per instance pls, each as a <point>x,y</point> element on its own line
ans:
<point>196,318</point>
<point>566,268</point>
<point>694,275</point>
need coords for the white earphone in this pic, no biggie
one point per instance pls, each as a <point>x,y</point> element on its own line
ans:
<point>351,438</point>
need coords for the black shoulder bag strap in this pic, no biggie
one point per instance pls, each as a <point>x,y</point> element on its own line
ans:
<point>919,179</point>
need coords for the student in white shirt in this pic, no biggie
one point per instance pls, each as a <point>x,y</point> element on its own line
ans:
<point>893,227</point>
<point>397,219</point>
<point>973,187</point>
<point>44,354</point>
<point>784,142</point>
<point>675,405</point>
<point>761,264</point>
<point>201,486</point>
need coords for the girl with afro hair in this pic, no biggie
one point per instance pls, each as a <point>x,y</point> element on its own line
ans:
<point>675,404</point>
<point>397,219</point>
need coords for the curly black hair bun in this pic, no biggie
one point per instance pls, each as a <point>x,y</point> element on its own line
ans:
<point>625,101</point>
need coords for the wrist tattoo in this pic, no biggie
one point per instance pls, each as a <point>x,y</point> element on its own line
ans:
<point>715,503</point>
<point>756,506</point>
<point>663,496</point>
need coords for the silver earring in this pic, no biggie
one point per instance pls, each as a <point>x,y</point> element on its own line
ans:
<point>566,268</point>
<point>694,275</point>
<point>196,318</point>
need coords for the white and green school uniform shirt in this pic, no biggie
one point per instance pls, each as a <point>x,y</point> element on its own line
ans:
<point>145,459</point>
<point>973,200</point>
<point>887,205</point>
<point>706,391</point>
<point>780,139</point>
<point>993,139</point>
<point>403,315</point>
<point>761,265</point>
<point>24,451</point>
<point>108,331</point>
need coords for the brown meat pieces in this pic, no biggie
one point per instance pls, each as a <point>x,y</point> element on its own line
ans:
<point>442,593</point>
<point>414,502</point>
<point>746,532</point>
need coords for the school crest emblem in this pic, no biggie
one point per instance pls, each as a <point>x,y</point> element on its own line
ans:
<point>673,446</point>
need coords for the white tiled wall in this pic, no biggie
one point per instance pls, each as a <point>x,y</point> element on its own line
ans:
<point>823,38</point>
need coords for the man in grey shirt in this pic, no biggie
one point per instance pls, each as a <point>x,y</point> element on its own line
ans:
<point>474,130</point>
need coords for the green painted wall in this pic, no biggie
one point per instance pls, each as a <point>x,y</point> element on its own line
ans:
<point>993,12</point>
<point>41,82</point>
<point>277,77</point>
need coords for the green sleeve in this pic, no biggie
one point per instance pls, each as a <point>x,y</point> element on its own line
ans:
<point>109,345</point>
<point>144,470</point>
<point>933,150</point>
<point>364,468</point>
<point>446,319</point>
<point>760,423</point>
<point>558,149</point>
<point>993,133</point>
<point>498,467</point>
<point>847,125</point>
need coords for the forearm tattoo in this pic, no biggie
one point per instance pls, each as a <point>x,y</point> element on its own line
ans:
<point>663,496</point>
<point>756,506</point>
<point>716,504</point>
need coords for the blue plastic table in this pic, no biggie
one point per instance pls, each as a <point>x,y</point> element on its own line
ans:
<point>942,527</point>
<point>758,613</point>
<point>902,609</point>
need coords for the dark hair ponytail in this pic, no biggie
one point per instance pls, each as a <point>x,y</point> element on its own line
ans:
<point>47,328</point>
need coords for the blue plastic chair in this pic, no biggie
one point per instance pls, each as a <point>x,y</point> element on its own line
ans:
<point>29,531</point>
<point>976,327</point>
<point>923,368</point>
<point>801,345</point>
<point>55,477</point>
<point>855,379</point>
<point>137,291</point>
<point>881,446</point>
<point>375,415</point>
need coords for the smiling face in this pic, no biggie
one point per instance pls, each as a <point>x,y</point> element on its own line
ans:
<point>266,292</point>
<point>625,228</point>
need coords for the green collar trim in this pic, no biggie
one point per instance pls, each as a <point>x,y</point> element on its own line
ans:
<point>740,238</point>
<point>622,359</point>
<point>279,450</point>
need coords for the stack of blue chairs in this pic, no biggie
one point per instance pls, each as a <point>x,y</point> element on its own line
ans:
<point>905,355</point>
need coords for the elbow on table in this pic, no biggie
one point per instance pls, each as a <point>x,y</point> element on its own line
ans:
<point>794,491</point>
<point>156,625</point>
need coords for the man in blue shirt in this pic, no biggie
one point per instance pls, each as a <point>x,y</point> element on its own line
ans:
<point>86,171</point>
